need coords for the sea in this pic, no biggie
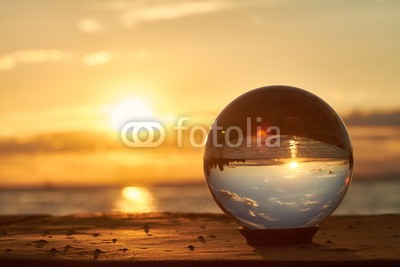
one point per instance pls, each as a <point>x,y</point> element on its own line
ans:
<point>365,197</point>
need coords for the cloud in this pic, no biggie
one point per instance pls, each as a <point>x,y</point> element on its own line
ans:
<point>267,217</point>
<point>388,118</point>
<point>59,142</point>
<point>277,201</point>
<point>132,13</point>
<point>9,61</point>
<point>246,201</point>
<point>37,56</point>
<point>89,25</point>
<point>13,59</point>
<point>310,202</point>
<point>142,13</point>
<point>97,58</point>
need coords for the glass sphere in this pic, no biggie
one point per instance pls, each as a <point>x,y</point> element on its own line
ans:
<point>278,157</point>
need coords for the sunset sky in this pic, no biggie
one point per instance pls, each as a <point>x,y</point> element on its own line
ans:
<point>68,67</point>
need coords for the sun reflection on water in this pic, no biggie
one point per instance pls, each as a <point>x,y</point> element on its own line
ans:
<point>293,148</point>
<point>293,164</point>
<point>136,199</point>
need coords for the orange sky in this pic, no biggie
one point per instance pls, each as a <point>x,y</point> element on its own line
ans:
<point>65,66</point>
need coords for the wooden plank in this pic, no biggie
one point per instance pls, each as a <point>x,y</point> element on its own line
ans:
<point>196,238</point>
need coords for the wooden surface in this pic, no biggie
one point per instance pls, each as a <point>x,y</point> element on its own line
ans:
<point>188,239</point>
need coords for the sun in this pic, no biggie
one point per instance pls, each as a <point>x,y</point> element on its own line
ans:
<point>128,110</point>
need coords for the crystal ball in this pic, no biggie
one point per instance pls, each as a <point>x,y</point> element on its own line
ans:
<point>278,157</point>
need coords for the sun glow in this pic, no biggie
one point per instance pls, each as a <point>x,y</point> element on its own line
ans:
<point>293,165</point>
<point>136,199</point>
<point>134,193</point>
<point>128,110</point>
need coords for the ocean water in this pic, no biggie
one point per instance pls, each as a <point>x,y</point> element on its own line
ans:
<point>363,197</point>
<point>281,194</point>
<point>295,183</point>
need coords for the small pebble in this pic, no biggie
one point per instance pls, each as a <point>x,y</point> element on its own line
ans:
<point>114,240</point>
<point>146,228</point>
<point>123,249</point>
<point>95,234</point>
<point>66,248</point>
<point>350,226</point>
<point>45,233</point>
<point>191,247</point>
<point>97,253</point>
<point>40,243</point>
<point>201,238</point>
<point>70,232</point>
<point>53,251</point>
<point>329,242</point>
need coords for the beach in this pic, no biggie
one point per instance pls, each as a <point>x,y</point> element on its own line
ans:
<point>182,239</point>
